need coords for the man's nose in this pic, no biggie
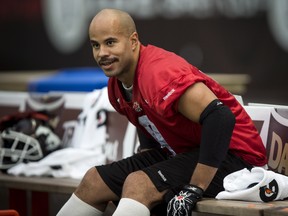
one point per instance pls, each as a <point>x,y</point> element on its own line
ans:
<point>103,51</point>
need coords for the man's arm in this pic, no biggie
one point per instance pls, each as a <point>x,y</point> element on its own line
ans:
<point>199,104</point>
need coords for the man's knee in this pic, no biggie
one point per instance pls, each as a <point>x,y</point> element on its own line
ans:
<point>139,186</point>
<point>88,182</point>
<point>93,190</point>
<point>136,179</point>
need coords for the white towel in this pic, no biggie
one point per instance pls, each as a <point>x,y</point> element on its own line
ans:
<point>255,185</point>
<point>68,162</point>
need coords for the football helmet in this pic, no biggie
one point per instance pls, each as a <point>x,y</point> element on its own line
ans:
<point>27,140</point>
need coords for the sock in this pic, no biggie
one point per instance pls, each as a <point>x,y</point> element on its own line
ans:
<point>130,207</point>
<point>76,207</point>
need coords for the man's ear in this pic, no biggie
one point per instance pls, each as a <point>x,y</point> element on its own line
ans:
<point>134,40</point>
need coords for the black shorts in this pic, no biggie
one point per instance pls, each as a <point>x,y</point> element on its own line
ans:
<point>166,172</point>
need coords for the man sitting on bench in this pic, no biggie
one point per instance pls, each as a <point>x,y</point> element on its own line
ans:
<point>192,131</point>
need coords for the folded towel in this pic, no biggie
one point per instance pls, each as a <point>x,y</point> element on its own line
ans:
<point>255,185</point>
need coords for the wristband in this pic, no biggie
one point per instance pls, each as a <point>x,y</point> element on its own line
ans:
<point>195,190</point>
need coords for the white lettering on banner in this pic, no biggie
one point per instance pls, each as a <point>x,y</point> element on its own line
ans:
<point>278,157</point>
<point>278,21</point>
<point>66,20</point>
<point>177,8</point>
<point>283,165</point>
<point>66,23</point>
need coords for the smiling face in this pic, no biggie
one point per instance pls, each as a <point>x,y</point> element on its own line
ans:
<point>115,44</point>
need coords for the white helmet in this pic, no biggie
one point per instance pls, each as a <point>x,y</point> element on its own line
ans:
<point>32,141</point>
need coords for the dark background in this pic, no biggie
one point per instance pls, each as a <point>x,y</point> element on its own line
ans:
<point>216,44</point>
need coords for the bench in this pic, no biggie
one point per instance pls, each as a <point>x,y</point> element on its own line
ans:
<point>30,195</point>
<point>34,191</point>
<point>40,187</point>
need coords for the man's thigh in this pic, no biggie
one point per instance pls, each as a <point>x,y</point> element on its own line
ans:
<point>167,172</point>
<point>174,172</point>
<point>114,174</point>
<point>177,171</point>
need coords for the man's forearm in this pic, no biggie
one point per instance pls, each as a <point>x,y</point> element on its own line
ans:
<point>203,175</point>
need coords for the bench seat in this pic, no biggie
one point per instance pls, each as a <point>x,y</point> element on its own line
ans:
<point>43,184</point>
<point>205,207</point>
<point>242,208</point>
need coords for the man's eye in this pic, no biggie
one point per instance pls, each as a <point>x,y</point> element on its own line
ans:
<point>110,43</point>
<point>95,45</point>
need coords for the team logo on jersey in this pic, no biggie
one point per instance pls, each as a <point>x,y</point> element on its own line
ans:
<point>269,192</point>
<point>137,107</point>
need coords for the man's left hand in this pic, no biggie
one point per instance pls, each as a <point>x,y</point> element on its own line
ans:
<point>184,202</point>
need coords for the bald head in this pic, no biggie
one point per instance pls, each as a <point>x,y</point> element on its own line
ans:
<point>115,44</point>
<point>119,20</point>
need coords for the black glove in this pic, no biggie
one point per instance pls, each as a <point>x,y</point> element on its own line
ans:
<point>183,203</point>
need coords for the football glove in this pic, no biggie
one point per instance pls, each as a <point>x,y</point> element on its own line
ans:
<point>184,202</point>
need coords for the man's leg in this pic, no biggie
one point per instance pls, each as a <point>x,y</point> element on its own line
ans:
<point>105,183</point>
<point>75,206</point>
<point>148,186</point>
<point>139,196</point>
<point>90,198</point>
<point>141,189</point>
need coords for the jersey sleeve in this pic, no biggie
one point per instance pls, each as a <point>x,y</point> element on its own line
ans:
<point>167,82</point>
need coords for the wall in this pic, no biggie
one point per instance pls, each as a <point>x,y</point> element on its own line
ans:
<point>220,36</point>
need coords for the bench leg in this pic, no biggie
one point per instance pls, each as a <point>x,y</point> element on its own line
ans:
<point>35,205</point>
<point>39,203</point>
<point>18,201</point>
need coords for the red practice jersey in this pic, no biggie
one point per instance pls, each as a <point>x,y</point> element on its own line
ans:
<point>160,79</point>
